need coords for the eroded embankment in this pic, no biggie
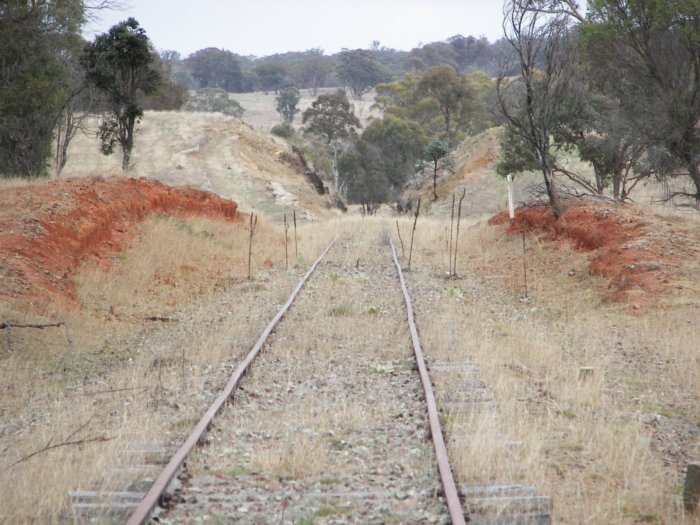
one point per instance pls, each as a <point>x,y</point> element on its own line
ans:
<point>622,246</point>
<point>48,229</point>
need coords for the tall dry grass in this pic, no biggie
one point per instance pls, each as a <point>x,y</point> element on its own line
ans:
<point>121,379</point>
<point>584,439</point>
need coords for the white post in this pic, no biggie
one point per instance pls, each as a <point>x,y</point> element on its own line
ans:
<point>511,210</point>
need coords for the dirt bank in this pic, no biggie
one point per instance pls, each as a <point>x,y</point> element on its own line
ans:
<point>638,253</point>
<point>48,229</point>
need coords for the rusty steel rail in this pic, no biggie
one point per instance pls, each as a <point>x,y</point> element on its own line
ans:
<point>160,485</point>
<point>448,483</point>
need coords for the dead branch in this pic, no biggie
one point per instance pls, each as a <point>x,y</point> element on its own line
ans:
<point>65,443</point>
<point>296,252</point>
<point>675,194</point>
<point>575,177</point>
<point>562,7</point>
<point>113,390</point>
<point>40,326</point>
<point>452,220</point>
<point>162,319</point>
<point>251,231</point>
<point>459,217</point>
<point>413,232</point>
<point>398,231</point>
<point>286,243</point>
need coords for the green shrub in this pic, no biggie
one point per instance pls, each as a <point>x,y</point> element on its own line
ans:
<point>284,130</point>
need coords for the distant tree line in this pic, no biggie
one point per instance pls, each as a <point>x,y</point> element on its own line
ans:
<point>312,69</point>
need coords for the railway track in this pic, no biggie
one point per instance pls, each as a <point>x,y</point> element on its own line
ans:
<point>333,421</point>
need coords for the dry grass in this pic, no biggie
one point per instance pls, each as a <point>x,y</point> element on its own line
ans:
<point>588,443</point>
<point>209,151</point>
<point>119,373</point>
<point>295,457</point>
<point>587,440</point>
<point>260,109</point>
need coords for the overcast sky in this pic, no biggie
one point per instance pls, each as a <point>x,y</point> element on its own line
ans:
<point>266,27</point>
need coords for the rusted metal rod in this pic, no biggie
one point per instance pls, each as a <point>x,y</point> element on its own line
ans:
<point>160,485</point>
<point>454,506</point>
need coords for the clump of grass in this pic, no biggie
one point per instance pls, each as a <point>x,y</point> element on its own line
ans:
<point>383,368</point>
<point>295,457</point>
<point>340,311</point>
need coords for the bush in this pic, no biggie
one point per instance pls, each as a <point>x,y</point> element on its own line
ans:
<point>213,100</point>
<point>284,130</point>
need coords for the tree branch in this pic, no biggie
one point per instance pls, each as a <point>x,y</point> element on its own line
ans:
<point>574,177</point>
<point>5,325</point>
<point>65,443</point>
<point>564,7</point>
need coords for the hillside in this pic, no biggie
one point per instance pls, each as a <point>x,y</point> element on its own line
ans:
<point>260,110</point>
<point>211,152</point>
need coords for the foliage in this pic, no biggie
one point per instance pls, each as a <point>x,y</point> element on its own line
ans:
<point>311,69</point>
<point>35,39</point>
<point>435,151</point>
<point>171,95</point>
<point>403,99</point>
<point>651,54</point>
<point>440,98</point>
<point>363,180</point>
<point>401,143</point>
<point>331,116</point>
<point>516,155</point>
<point>376,168</point>
<point>531,105</point>
<point>464,54</point>
<point>284,130</point>
<point>120,64</point>
<point>360,71</point>
<point>618,87</point>
<point>213,100</point>
<point>271,76</point>
<point>453,96</point>
<point>216,68</point>
<point>313,72</point>
<point>286,103</point>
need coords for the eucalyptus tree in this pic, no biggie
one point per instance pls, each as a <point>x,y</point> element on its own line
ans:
<point>435,151</point>
<point>286,103</point>
<point>332,118</point>
<point>375,169</point>
<point>120,63</point>
<point>34,39</point>
<point>452,95</point>
<point>360,70</point>
<point>531,105</point>
<point>651,53</point>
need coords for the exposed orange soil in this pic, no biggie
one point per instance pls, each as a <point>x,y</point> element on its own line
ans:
<point>637,258</point>
<point>48,229</point>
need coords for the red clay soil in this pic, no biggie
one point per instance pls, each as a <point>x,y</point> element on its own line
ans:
<point>48,229</point>
<point>635,262</point>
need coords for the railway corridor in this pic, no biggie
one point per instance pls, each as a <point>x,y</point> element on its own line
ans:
<point>329,425</point>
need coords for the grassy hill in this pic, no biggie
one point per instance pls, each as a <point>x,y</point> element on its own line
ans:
<point>213,152</point>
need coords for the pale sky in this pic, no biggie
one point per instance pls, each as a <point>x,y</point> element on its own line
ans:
<point>266,27</point>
